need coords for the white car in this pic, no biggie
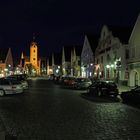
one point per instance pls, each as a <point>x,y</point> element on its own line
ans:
<point>19,78</point>
<point>10,87</point>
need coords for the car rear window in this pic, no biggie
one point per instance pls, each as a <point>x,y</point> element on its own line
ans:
<point>14,82</point>
<point>4,82</point>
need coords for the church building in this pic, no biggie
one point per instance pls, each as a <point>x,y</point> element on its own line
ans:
<point>31,64</point>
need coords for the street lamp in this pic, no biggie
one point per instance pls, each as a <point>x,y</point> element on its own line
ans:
<point>118,65</point>
<point>108,66</point>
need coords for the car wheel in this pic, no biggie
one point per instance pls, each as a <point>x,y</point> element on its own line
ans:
<point>2,93</point>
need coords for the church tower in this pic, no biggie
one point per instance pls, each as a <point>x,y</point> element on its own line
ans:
<point>34,55</point>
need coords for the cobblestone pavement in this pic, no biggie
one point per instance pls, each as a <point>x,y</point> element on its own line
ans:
<point>48,112</point>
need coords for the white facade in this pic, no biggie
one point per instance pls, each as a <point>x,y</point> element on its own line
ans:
<point>134,55</point>
<point>110,57</point>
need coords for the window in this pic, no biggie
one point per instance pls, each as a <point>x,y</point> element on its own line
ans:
<point>108,57</point>
<point>34,51</point>
<point>133,52</point>
<point>110,41</point>
<point>33,58</point>
<point>101,59</point>
<point>127,54</point>
<point>104,34</point>
<point>115,56</point>
<point>97,61</point>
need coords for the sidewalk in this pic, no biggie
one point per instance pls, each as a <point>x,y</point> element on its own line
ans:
<point>124,88</point>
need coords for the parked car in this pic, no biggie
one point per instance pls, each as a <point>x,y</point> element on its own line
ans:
<point>21,78</point>
<point>132,96</point>
<point>8,86</point>
<point>82,83</point>
<point>103,88</point>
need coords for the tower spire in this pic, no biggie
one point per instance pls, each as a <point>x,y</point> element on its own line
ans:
<point>33,36</point>
<point>22,56</point>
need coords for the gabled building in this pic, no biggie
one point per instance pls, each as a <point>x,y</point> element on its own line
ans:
<point>71,57</point>
<point>87,56</point>
<point>56,64</point>
<point>76,61</point>
<point>110,54</point>
<point>66,60</point>
<point>49,66</point>
<point>133,55</point>
<point>6,62</point>
<point>43,66</point>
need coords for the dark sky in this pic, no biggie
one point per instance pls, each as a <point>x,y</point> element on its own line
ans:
<point>59,22</point>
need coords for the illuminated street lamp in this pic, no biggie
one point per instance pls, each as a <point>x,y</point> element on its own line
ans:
<point>112,66</point>
<point>108,66</point>
<point>118,65</point>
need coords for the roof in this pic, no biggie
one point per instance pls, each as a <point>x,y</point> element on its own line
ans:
<point>3,54</point>
<point>123,33</point>
<point>93,40</point>
<point>27,58</point>
<point>135,35</point>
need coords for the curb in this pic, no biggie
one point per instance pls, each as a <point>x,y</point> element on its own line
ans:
<point>100,99</point>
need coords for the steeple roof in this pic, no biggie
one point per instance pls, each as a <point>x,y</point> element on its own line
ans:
<point>3,54</point>
<point>135,35</point>
<point>93,40</point>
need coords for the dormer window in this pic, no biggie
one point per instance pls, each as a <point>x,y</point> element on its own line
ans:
<point>104,34</point>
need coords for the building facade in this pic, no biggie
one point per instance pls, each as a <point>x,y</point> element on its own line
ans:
<point>31,65</point>
<point>66,61</point>
<point>133,59</point>
<point>6,62</point>
<point>110,57</point>
<point>87,59</point>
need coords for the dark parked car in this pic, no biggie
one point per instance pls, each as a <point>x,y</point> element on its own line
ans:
<point>132,96</point>
<point>103,88</point>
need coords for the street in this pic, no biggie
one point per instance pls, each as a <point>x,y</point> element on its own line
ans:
<point>48,112</point>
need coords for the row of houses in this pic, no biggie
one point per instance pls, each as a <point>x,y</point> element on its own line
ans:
<point>114,55</point>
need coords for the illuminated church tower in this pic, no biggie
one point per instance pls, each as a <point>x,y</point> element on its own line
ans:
<point>34,57</point>
<point>31,64</point>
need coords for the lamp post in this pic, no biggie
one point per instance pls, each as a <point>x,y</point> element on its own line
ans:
<point>118,65</point>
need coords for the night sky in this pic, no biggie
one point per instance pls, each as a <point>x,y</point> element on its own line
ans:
<point>56,23</point>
